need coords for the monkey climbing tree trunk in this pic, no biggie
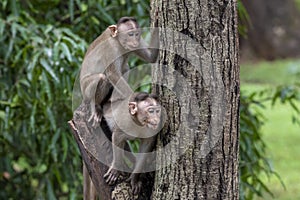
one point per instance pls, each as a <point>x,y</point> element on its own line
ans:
<point>197,78</point>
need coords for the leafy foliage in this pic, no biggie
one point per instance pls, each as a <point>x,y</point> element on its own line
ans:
<point>289,94</point>
<point>253,156</point>
<point>252,149</point>
<point>41,50</point>
<point>37,75</point>
<point>244,19</point>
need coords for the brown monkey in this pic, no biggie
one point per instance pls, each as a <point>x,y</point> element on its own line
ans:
<point>106,61</point>
<point>140,117</point>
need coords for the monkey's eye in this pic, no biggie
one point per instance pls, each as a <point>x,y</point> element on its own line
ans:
<point>131,34</point>
<point>151,110</point>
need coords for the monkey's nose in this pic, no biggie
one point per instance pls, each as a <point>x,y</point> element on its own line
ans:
<point>135,44</point>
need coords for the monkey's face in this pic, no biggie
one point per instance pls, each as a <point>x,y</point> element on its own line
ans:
<point>129,36</point>
<point>149,113</point>
<point>153,117</point>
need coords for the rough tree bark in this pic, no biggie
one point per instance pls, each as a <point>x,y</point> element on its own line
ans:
<point>198,80</point>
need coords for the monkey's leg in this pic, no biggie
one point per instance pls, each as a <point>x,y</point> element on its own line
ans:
<point>103,91</point>
<point>146,145</point>
<point>102,95</point>
<point>118,144</point>
<point>95,89</point>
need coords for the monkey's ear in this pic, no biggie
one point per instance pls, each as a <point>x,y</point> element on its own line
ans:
<point>133,108</point>
<point>113,30</point>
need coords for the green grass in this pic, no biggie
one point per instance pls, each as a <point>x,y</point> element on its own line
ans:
<point>281,136</point>
<point>273,73</point>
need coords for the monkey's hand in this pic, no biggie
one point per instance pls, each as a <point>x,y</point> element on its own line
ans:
<point>136,185</point>
<point>111,176</point>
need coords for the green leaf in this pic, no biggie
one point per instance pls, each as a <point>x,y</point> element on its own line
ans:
<point>73,195</point>
<point>57,175</point>
<point>50,192</point>
<point>2,26</point>
<point>48,68</point>
<point>6,103</point>
<point>2,115</point>
<point>65,146</point>
<point>32,116</point>
<point>37,40</point>
<point>66,51</point>
<point>71,9</point>
<point>32,65</point>
<point>9,50</point>
<point>70,33</point>
<point>56,51</point>
<point>51,118</point>
<point>41,168</point>
<point>294,106</point>
<point>52,146</point>
<point>48,29</point>
<point>105,15</point>
<point>47,86</point>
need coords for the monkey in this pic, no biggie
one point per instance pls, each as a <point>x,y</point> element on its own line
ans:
<point>103,65</point>
<point>106,60</point>
<point>141,118</point>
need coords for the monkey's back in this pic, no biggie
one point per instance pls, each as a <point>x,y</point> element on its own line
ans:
<point>104,36</point>
<point>100,55</point>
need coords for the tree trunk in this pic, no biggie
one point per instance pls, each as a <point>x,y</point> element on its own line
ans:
<point>197,79</point>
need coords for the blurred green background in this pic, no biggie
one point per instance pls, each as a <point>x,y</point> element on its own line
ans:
<point>275,87</point>
<point>42,45</point>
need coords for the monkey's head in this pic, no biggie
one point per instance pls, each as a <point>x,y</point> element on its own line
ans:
<point>127,32</point>
<point>145,110</point>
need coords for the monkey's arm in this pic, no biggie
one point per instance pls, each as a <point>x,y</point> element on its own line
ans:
<point>149,52</point>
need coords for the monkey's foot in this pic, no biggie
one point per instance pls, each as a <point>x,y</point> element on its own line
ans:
<point>136,185</point>
<point>111,176</point>
<point>95,119</point>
